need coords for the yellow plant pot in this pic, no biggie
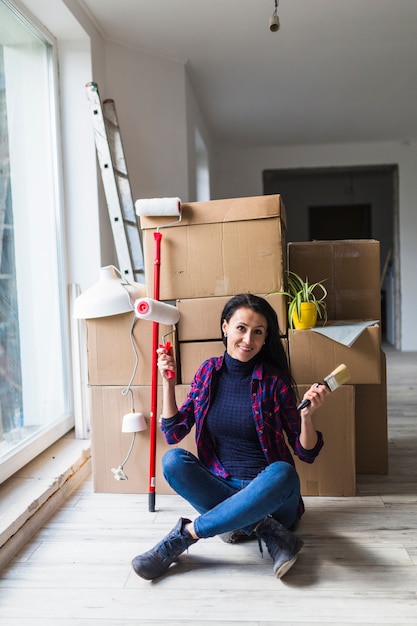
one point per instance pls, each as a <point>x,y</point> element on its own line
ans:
<point>308,316</point>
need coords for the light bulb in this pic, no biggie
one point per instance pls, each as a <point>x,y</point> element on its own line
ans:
<point>119,473</point>
<point>274,23</point>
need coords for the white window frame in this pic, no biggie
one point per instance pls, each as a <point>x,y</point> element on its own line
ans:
<point>51,432</point>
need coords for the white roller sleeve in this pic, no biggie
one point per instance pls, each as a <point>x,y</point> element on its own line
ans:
<point>155,207</point>
<point>155,311</point>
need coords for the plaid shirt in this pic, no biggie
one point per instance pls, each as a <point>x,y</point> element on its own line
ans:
<point>274,410</point>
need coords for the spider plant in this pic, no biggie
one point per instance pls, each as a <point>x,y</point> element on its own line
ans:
<point>299,290</point>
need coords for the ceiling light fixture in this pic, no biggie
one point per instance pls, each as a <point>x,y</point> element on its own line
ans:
<point>274,19</point>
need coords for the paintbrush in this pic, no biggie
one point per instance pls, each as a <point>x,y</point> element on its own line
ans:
<point>338,377</point>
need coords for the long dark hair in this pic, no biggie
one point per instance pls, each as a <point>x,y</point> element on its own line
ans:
<point>273,351</point>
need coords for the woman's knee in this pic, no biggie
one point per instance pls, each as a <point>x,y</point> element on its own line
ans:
<point>171,459</point>
<point>174,460</point>
<point>284,472</point>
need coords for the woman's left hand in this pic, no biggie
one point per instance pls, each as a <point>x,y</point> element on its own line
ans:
<point>308,434</point>
<point>317,395</point>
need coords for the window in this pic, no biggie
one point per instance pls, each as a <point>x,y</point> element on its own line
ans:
<point>35,407</point>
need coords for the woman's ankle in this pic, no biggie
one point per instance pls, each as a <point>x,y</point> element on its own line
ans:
<point>190,529</point>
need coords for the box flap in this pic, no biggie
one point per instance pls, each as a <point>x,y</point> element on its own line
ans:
<point>344,332</point>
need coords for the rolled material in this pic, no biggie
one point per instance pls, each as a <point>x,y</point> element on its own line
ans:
<point>155,311</point>
<point>156,207</point>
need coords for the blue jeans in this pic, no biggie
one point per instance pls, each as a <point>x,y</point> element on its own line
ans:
<point>231,504</point>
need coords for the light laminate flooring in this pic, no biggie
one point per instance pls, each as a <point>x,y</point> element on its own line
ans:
<point>358,565</point>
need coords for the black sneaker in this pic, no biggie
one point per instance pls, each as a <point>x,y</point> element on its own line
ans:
<point>156,561</point>
<point>236,536</point>
<point>282,545</point>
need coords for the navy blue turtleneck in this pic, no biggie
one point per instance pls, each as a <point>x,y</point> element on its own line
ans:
<point>230,421</point>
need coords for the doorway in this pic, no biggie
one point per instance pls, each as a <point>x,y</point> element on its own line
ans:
<point>347,203</point>
<point>346,221</point>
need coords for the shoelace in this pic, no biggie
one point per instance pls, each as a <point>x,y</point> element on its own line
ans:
<point>174,542</point>
<point>169,544</point>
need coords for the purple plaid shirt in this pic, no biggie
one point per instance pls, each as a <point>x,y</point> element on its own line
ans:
<point>274,411</point>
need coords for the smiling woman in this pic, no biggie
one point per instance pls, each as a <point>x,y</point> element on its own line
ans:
<point>34,399</point>
<point>243,483</point>
<point>246,333</point>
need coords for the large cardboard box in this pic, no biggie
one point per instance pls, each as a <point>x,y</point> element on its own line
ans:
<point>220,248</point>
<point>110,354</point>
<point>371,417</point>
<point>200,317</point>
<point>352,272</point>
<point>109,446</point>
<point>313,356</point>
<point>333,472</point>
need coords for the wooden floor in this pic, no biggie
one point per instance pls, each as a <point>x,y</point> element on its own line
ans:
<point>358,565</point>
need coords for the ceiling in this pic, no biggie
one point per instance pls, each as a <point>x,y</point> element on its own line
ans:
<point>336,71</point>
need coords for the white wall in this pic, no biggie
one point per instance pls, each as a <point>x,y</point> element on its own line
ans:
<point>239,173</point>
<point>196,124</point>
<point>149,93</point>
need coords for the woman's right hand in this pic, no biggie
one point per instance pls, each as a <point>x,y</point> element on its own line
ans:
<point>166,363</point>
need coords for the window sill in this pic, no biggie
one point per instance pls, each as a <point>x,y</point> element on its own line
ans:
<point>35,492</point>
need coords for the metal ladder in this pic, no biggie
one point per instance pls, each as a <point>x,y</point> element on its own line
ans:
<point>110,155</point>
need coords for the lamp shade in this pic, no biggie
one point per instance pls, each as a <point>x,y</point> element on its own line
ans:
<point>133,423</point>
<point>112,295</point>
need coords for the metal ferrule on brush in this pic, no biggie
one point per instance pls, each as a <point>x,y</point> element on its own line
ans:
<point>331,382</point>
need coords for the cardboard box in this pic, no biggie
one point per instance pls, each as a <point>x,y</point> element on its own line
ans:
<point>352,270</point>
<point>193,353</point>
<point>333,472</point>
<point>371,417</point>
<point>200,317</point>
<point>110,355</point>
<point>313,356</point>
<point>109,446</point>
<point>220,248</point>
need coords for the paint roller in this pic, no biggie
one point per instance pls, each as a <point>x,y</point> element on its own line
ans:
<point>156,207</point>
<point>160,312</point>
<point>155,311</point>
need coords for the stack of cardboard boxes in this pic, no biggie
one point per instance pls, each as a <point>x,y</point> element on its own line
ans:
<point>112,346</point>
<point>352,272</point>
<point>219,249</point>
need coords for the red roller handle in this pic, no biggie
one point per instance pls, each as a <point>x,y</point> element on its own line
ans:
<point>154,380</point>
<point>170,374</point>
